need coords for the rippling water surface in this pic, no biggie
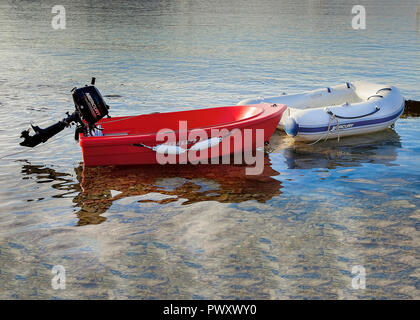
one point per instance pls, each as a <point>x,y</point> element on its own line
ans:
<point>196,232</point>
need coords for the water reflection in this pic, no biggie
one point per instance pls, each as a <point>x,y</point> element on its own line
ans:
<point>60,181</point>
<point>99,187</point>
<point>378,148</point>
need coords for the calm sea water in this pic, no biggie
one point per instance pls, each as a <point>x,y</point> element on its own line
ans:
<point>296,231</point>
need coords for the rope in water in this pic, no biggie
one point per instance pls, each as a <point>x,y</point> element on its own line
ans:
<point>45,143</point>
<point>128,117</point>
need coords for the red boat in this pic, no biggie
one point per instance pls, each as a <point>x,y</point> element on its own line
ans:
<point>176,137</point>
<point>133,139</point>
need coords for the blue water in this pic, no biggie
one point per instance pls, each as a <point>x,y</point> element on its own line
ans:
<point>189,232</point>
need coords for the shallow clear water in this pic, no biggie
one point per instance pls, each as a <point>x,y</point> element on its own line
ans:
<point>193,232</point>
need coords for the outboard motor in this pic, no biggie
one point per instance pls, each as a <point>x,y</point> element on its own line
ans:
<point>90,108</point>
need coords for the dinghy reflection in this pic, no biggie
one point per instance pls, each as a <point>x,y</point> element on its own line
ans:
<point>378,148</point>
<point>99,187</point>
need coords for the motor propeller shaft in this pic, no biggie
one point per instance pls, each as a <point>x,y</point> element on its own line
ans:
<point>42,135</point>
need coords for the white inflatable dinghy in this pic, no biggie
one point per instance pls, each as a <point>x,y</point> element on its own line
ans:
<point>344,110</point>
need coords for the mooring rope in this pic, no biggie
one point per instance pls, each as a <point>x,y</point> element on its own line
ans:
<point>332,117</point>
<point>45,143</point>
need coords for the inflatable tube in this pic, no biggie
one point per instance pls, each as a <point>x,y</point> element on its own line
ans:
<point>344,110</point>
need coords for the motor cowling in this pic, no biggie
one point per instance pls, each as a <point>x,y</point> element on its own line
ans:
<point>90,103</point>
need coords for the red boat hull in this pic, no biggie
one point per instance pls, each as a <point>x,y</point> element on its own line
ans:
<point>117,146</point>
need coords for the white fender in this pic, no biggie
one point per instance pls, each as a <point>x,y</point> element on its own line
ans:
<point>168,149</point>
<point>209,143</point>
